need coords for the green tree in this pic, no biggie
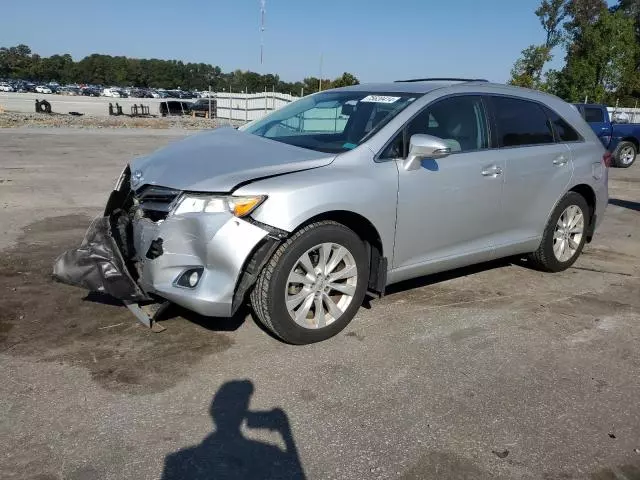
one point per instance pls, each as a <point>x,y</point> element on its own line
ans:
<point>527,71</point>
<point>20,62</point>
<point>345,80</point>
<point>582,13</point>
<point>15,62</point>
<point>551,14</point>
<point>601,58</point>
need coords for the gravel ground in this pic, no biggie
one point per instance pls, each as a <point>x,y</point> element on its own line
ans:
<point>38,120</point>
<point>489,372</point>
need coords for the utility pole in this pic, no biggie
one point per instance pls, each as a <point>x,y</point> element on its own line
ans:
<point>262,12</point>
<point>210,117</point>
<point>320,79</point>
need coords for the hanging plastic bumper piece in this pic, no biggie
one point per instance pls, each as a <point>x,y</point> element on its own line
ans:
<point>98,264</point>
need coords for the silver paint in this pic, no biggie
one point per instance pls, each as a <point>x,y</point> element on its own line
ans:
<point>474,207</point>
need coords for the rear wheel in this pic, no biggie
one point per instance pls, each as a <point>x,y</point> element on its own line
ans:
<point>564,236</point>
<point>625,155</point>
<point>313,285</point>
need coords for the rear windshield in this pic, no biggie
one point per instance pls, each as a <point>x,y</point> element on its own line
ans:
<point>332,121</point>
<point>593,115</point>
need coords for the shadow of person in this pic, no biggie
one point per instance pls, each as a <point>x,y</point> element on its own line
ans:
<point>227,453</point>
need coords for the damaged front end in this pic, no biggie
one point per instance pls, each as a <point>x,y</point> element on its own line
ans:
<point>98,264</point>
<point>146,256</point>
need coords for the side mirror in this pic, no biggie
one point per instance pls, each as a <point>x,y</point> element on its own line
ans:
<point>425,146</point>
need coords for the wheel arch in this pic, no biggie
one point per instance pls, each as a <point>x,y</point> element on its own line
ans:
<point>587,192</point>
<point>369,234</point>
<point>633,140</point>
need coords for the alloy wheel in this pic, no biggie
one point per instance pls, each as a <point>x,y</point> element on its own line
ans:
<point>627,155</point>
<point>568,233</point>
<point>321,285</point>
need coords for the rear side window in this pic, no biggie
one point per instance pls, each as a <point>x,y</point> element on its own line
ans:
<point>521,122</point>
<point>564,131</point>
<point>593,115</point>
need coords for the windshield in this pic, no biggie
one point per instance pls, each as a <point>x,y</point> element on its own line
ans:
<point>332,121</point>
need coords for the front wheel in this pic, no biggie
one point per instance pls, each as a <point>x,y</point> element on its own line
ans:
<point>564,236</point>
<point>313,285</point>
<point>625,155</point>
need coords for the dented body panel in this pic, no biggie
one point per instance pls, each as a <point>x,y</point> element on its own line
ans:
<point>221,159</point>
<point>220,243</point>
<point>415,218</point>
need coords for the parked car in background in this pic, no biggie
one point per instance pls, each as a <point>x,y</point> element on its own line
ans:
<point>5,87</point>
<point>68,91</point>
<point>111,92</point>
<point>621,139</point>
<point>203,105</point>
<point>174,107</point>
<point>90,92</point>
<point>341,193</point>
<point>43,89</point>
<point>22,86</point>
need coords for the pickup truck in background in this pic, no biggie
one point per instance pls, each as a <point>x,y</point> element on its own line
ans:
<point>621,139</point>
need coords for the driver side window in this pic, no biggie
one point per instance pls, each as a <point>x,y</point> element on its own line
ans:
<point>460,121</point>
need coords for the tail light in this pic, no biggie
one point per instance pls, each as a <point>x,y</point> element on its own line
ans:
<point>606,159</point>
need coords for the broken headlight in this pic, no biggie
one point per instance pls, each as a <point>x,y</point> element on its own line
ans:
<point>236,205</point>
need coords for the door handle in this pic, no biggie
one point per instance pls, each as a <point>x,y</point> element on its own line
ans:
<point>561,160</point>
<point>491,171</point>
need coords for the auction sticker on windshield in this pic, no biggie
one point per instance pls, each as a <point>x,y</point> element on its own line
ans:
<point>379,99</point>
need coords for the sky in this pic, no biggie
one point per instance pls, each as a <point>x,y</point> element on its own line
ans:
<point>376,40</point>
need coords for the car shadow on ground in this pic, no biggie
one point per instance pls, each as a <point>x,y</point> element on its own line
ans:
<point>215,324</point>
<point>230,324</point>
<point>228,453</point>
<point>625,204</point>
<point>427,280</point>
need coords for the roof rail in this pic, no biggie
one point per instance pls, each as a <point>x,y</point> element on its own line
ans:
<point>444,79</point>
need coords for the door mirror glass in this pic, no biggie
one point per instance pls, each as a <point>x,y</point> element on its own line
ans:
<point>424,146</point>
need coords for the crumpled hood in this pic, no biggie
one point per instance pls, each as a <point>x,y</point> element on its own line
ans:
<point>219,160</point>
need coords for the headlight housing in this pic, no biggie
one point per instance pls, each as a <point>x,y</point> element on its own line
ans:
<point>236,205</point>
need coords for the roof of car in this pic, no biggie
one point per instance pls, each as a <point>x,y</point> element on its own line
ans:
<point>405,86</point>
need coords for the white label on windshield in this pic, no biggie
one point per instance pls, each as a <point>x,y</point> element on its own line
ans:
<point>380,99</point>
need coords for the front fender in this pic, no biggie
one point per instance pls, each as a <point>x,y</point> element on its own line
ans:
<point>370,191</point>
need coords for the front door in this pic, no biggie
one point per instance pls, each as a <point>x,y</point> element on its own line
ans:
<point>450,208</point>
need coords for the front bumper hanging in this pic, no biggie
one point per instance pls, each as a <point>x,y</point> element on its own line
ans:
<point>98,265</point>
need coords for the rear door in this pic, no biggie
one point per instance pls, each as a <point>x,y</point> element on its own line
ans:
<point>537,173</point>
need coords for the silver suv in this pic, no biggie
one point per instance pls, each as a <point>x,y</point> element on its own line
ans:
<point>342,193</point>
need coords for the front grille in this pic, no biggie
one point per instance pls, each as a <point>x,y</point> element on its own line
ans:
<point>156,202</point>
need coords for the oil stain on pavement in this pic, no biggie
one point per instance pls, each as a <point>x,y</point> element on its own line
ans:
<point>50,322</point>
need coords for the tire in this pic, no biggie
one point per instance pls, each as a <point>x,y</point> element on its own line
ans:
<point>546,258</point>
<point>43,106</point>
<point>274,285</point>
<point>625,154</point>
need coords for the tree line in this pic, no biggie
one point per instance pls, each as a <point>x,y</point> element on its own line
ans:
<point>601,46</point>
<point>19,62</point>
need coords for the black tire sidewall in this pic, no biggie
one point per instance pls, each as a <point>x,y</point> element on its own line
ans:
<point>571,198</point>
<point>286,327</point>
<point>621,145</point>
